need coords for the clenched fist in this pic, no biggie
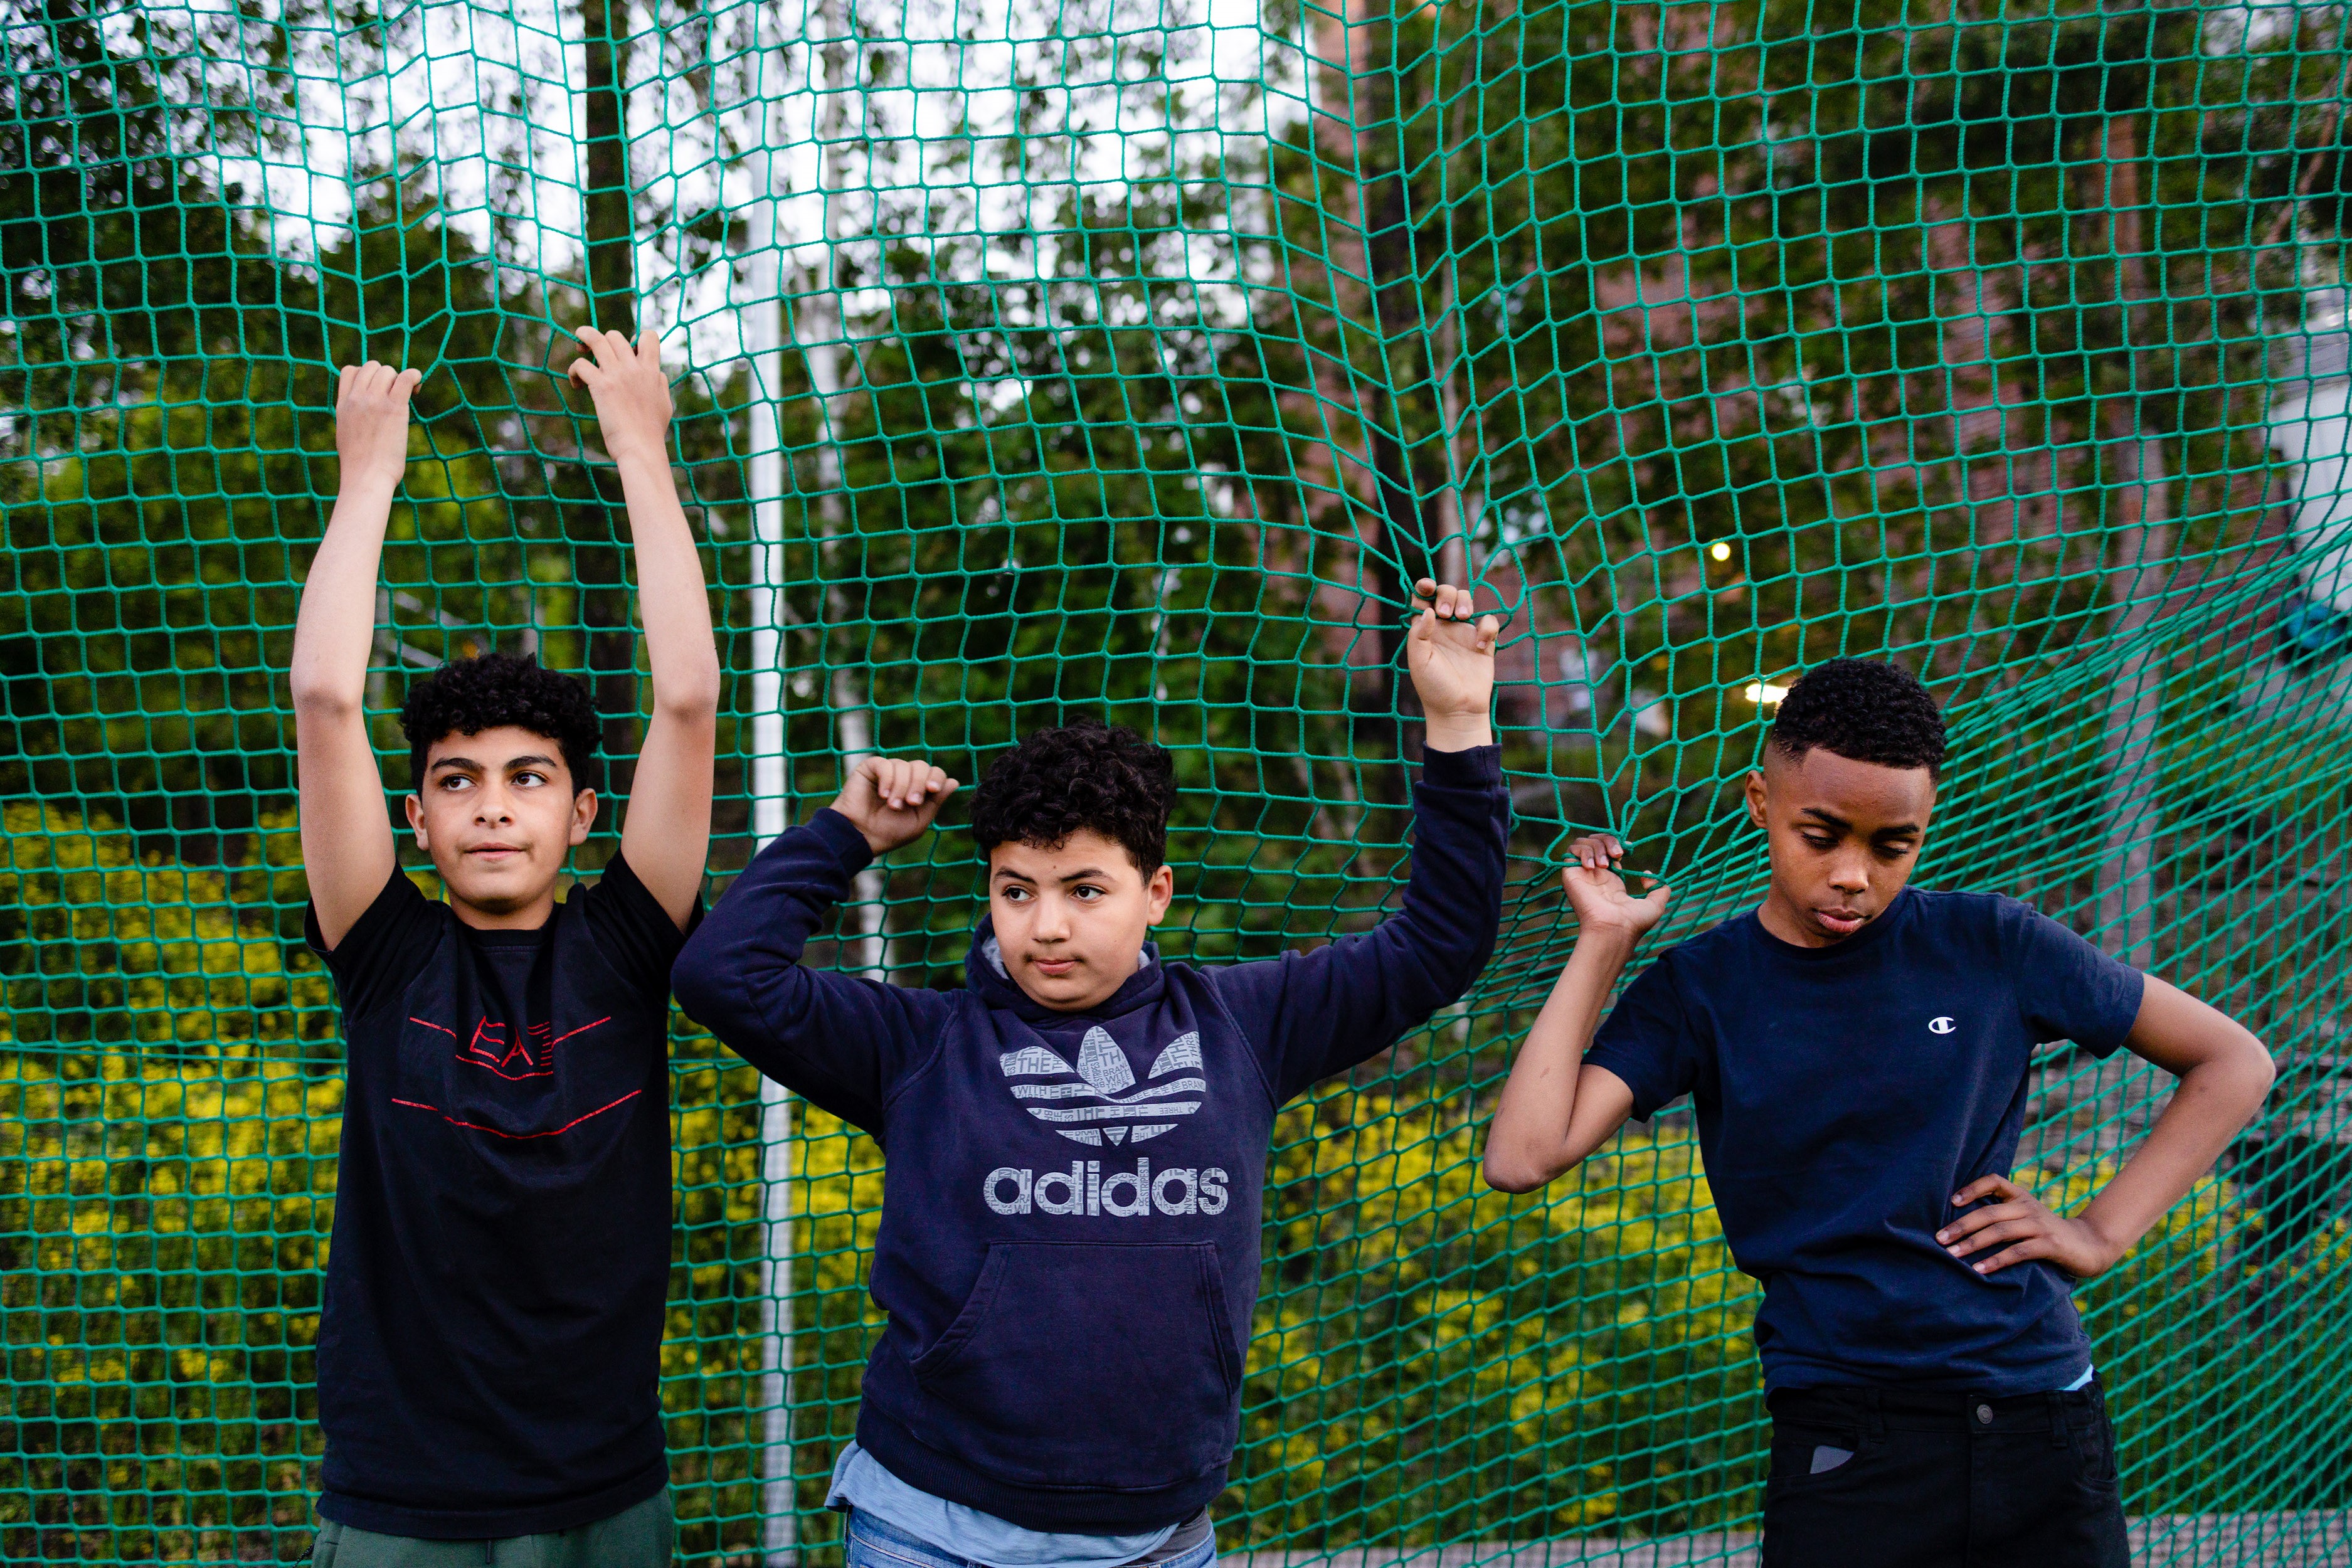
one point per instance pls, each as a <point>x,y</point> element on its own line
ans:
<point>894,800</point>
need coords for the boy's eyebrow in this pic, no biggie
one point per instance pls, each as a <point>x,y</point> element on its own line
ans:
<point>528,760</point>
<point>1084,874</point>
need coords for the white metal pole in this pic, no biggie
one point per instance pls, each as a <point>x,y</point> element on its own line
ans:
<point>770,807</point>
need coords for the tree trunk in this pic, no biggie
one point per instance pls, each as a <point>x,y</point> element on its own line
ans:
<point>1400,522</point>
<point>820,324</point>
<point>611,235</point>
<point>605,192</point>
<point>2127,736</point>
<point>1365,235</point>
<point>2102,1115</point>
<point>1458,506</point>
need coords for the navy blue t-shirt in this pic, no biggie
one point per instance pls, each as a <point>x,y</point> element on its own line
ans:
<point>1844,1093</point>
<point>490,1350</point>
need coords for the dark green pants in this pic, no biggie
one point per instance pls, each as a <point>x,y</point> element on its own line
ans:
<point>639,1537</point>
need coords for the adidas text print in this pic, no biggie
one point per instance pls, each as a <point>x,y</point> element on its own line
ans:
<point>1082,1189</point>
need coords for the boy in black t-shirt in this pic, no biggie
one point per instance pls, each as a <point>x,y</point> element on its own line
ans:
<point>1857,1052</point>
<point>489,1350</point>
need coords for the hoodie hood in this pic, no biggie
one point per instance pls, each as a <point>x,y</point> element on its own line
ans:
<point>983,972</point>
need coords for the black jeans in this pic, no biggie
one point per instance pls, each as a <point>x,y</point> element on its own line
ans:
<point>1866,1477</point>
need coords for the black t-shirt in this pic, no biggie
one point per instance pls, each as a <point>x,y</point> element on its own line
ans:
<point>1844,1093</point>
<point>489,1352</point>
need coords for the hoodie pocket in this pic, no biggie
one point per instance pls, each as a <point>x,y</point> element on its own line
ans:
<point>1107,1365</point>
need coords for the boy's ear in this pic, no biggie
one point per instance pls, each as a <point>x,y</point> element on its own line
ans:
<point>1159,892</point>
<point>1755,796</point>
<point>583,815</point>
<point>416,820</point>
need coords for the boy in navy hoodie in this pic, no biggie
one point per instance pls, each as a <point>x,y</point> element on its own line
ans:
<point>1076,1142</point>
<point>1857,1052</point>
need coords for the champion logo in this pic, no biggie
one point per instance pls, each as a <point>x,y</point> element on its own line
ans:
<point>1941,1026</point>
<point>1098,1101</point>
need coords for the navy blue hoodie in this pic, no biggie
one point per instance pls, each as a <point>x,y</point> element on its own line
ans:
<point>1068,1249</point>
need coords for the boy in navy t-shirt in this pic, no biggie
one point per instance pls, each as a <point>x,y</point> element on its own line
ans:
<point>1857,1054</point>
<point>1076,1139</point>
<point>489,1350</point>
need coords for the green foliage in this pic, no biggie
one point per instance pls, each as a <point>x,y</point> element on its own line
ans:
<point>1082,361</point>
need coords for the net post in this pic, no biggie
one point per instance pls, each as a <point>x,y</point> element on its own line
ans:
<point>764,333</point>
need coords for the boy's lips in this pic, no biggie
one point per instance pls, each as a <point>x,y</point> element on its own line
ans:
<point>494,851</point>
<point>1056,967</point>
<point>1843,922</point>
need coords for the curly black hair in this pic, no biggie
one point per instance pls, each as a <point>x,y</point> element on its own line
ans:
<point>1863,708</point>
<point>467,696</point>
<point>1086,776</point>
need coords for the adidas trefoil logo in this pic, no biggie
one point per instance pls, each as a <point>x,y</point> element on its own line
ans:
<point>1097,1101</point>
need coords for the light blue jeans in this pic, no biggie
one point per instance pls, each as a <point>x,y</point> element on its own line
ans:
<point>870,1543</point>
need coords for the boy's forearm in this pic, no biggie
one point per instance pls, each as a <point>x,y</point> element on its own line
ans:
<point>672,598</point>
<point>1437,945</point>
<point>2214,1100</point>
<point>1531,1138</point>
<point>1316,1013</point>
<point>347,845</point>
<point>334,628</point>
<point>746,954</point>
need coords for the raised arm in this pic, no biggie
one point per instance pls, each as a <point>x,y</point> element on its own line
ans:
<point>2224,1073</point>
<point>1555,1109</point>
<point>1317,1012</point>
<point>347,845</point>
<point>838,1040</point>
<point>667,835</point>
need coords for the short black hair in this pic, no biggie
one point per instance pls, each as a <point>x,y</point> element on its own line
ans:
<point>467,696</point>
<point>1084,776</point>
<point>1864,709</point>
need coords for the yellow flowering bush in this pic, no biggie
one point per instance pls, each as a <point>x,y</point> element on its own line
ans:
<point>1432,1361</point>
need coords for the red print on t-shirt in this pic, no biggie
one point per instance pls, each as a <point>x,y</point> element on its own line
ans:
<point>493,1044</point>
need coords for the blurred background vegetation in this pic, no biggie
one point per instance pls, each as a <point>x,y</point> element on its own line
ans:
<point>1141,378</point>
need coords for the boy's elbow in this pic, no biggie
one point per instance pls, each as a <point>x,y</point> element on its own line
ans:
<point>690,696</point>
<point>1508,1173</point>
<point>324,699</point>
<point>2260,1070</point>
<point>2240,1069</point>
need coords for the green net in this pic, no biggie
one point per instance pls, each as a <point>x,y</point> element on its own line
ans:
<point>1129,356</point>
